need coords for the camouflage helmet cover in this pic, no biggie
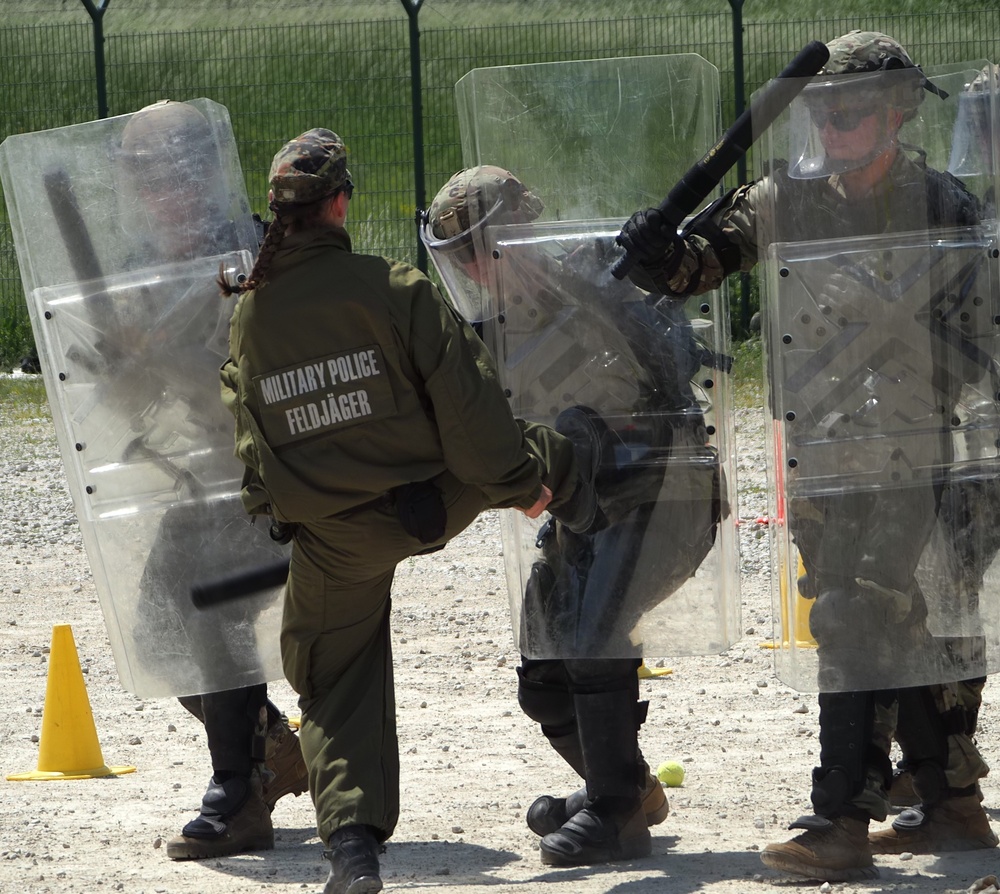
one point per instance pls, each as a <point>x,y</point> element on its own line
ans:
<point>987,79</point>
<point>474,194</point>
<point>309,168</point>
<point>168,139</point>
<point>864,51</point>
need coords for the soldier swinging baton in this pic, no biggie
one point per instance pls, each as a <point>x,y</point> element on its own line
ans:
<point>702,177</point>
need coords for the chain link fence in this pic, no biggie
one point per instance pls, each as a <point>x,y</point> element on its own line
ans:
<point>355,77</point>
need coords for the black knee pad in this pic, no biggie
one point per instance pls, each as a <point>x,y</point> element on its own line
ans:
<point>549,704</point>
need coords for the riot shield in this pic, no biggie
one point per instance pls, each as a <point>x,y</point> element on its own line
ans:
<point>973,147</point>
<point>881,343</point>
<point>577,349</point>
<point>121,227</point>
<point>595,139</point>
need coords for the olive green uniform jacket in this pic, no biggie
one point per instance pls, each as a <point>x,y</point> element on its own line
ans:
<point>349,375</point>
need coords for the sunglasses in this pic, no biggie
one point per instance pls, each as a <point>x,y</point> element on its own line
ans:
<point>840,119</point>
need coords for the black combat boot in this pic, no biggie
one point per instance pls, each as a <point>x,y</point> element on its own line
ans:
<point>548,813</point>
<point>605,831</point>
<point>353,857</point>
<point>612,824</point>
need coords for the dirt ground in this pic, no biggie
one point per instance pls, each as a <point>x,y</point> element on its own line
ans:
<point>471,762</point>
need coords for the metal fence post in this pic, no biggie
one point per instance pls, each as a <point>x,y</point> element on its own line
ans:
<point>97,17</point>
<point>739,94</point>
<point>416,93</point>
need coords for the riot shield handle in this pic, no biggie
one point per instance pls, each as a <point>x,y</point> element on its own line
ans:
<point>705,175</point>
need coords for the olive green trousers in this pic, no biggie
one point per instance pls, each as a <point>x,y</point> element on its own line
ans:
<point>336,650</point>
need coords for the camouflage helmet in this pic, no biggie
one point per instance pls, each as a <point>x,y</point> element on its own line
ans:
<point>870,52</point>
<point>985,80</point>
<point>311,167</point>
<point>476,194</point>
<point>864,51</point>
<point>168,140</point>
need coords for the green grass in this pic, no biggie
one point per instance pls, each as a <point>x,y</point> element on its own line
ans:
<point>748,372</point>
<point>15,337</point>
<point>181,14</point>
<point>22,399</point>
<point>283,66</point>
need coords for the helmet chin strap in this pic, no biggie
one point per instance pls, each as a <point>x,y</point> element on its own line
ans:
<point>859,180</point>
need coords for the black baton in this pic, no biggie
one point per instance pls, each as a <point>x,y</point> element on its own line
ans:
<point>705,175</point>
<point>205,594</point>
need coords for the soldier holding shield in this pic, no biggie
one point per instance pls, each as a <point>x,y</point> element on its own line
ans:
<point>969,529</point>
<point>141,209</point>
<point>615,370</point>
<point>167,149</point>
<point>871,341</point>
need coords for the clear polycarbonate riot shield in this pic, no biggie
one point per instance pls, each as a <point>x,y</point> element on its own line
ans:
<point>881,342</point>
<point>595,139</point>
<point>645,379</point>
<point>121,227</point>
<point>973,150</point>
<point>604,363</point>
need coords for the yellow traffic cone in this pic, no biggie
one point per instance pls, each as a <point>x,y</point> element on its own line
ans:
<point>794,630</point>
<point>68,748</point>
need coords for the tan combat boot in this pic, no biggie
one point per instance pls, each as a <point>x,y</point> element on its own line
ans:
<point>956,824</point>
<point>832,850</point>
<point>234,820</point>
<point>285,770</point>
<point>903,794</point>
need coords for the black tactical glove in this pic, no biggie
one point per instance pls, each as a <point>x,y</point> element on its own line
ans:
<point>650,239</point>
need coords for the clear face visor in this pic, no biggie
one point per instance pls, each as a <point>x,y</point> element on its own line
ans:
<point>843,123</point>
<point>463,263</point>
<point>972,140</point>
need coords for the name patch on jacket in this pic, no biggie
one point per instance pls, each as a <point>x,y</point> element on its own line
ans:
<point>324,394</point>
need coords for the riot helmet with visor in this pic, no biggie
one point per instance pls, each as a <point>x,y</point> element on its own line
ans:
<point>851,112</point>
<point>454,230</point>
<point>174,187</point>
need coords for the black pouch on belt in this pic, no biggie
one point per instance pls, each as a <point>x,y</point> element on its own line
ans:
<point>421,511</point>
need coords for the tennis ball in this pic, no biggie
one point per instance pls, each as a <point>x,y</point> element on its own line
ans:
<point>670,773</point>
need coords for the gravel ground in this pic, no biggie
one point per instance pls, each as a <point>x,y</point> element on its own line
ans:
<point>471,762</point>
